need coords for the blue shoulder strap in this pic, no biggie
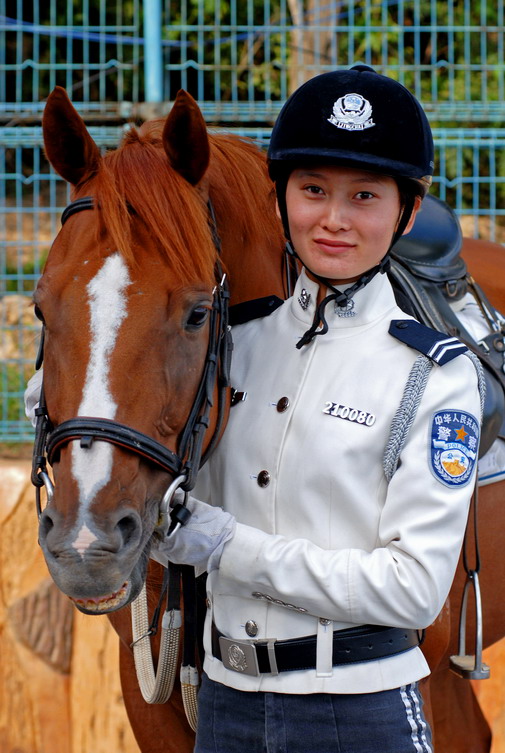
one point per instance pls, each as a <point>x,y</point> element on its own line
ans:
<point>438,346</point>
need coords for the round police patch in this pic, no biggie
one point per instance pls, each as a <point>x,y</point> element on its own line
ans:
<point>454,443</point>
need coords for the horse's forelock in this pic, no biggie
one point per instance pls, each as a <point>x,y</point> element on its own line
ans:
<point>136,182</point>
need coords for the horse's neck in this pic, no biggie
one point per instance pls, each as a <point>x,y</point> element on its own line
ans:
<point>254,272</point>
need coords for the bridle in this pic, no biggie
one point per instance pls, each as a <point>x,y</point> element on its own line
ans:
<point>184,464</point>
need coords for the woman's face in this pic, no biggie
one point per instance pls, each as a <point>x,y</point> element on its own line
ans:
<point>342,220</point>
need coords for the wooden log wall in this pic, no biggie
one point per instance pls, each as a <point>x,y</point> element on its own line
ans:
<point>59,677</point>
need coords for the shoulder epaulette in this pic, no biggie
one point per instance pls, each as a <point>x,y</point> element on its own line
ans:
<point>244,312</point>
<point>439,346</point>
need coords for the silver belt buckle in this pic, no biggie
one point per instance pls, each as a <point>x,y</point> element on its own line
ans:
<point>240,656</point>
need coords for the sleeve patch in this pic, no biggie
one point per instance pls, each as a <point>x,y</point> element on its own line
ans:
<point>454,444</point>
<point>438,346</point>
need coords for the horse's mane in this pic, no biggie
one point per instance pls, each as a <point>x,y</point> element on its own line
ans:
<point>240,186</point>
<point>136,180</point>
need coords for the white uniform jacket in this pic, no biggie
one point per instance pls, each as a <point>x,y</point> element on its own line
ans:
<point>319,527</point>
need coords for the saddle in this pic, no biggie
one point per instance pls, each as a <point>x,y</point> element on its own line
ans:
<point>428,274</point>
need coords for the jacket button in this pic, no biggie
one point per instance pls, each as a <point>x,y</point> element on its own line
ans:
<point>251,628</point>
<point>263,478</point>
<point>283,404</point>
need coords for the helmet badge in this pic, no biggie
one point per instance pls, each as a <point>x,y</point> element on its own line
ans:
<point>352,112</point>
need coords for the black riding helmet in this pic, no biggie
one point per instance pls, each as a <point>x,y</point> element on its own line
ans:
<point>354,118</point>
<point>357,118</point>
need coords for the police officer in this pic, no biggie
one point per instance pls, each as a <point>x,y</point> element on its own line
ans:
<point>336,502</point>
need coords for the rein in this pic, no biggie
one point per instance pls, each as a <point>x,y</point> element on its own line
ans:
<point>183,465</point>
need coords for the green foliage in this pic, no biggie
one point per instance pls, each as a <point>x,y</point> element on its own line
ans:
<point>22,278</point>
<point>13,379</point>
<point>233,44</point>
<point>444,51</point>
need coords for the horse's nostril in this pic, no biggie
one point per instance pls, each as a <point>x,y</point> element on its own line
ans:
<point>45,525</point>
<point>129,528</point>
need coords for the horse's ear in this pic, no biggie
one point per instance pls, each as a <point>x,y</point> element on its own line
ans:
<point>67,143</point>
<point>185,139</point>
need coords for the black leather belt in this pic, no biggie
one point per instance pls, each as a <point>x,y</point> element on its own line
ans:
<point>360,644</point>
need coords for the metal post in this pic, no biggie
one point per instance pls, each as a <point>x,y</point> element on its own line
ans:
<point>153,63</point>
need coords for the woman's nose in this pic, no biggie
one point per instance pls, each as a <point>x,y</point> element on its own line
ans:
<point>335,218</point>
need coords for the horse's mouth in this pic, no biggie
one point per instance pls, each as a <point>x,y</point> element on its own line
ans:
<point>104,604</point>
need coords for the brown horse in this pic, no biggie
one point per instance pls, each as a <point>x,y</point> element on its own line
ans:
<point>125,297</point>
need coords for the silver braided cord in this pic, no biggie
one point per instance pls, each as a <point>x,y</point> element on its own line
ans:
<point>406,413</point>
<point>480,378</point>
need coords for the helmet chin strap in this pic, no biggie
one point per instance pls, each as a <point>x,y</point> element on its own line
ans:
<point>342,298</point>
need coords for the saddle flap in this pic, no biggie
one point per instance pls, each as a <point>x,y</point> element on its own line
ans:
<point>427,303</point>
<point>431,249</point>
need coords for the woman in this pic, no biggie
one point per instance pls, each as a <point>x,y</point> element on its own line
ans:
<point>345,472</point>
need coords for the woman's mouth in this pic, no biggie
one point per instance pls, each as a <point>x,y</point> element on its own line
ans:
<point>333,246</point>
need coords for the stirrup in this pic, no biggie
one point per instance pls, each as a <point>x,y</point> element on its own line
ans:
<point>470,666</point>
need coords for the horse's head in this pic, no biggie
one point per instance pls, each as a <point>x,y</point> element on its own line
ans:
<point>128,303</point>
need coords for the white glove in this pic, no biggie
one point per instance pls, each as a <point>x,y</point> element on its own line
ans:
<point>32,395</point>
<point>200,541</point>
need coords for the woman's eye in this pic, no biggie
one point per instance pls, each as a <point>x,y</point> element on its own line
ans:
<point>314,189</point>
<point>197,317</point>
<point>365,195</point>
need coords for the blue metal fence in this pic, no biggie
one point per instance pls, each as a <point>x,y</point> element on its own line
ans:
<point>121,61</point>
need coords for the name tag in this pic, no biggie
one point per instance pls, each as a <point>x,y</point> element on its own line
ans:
<point>349,414</point>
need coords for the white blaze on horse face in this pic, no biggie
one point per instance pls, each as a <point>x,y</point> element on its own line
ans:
<point>107,304</point>
<point>84,539</point>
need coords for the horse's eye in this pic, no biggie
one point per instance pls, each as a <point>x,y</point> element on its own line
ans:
<point>38,313</point>
<point>197,317</point>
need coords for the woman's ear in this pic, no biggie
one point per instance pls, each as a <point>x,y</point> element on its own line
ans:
<point>277,210</point>
<point>410,223</point>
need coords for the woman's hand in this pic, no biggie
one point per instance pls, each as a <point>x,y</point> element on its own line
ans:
<point>200,541</point>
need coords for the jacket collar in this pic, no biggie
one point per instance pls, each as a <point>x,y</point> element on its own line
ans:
<point>370,303</point>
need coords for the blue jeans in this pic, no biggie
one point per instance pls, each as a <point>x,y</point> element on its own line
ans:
<point>232,721</point>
